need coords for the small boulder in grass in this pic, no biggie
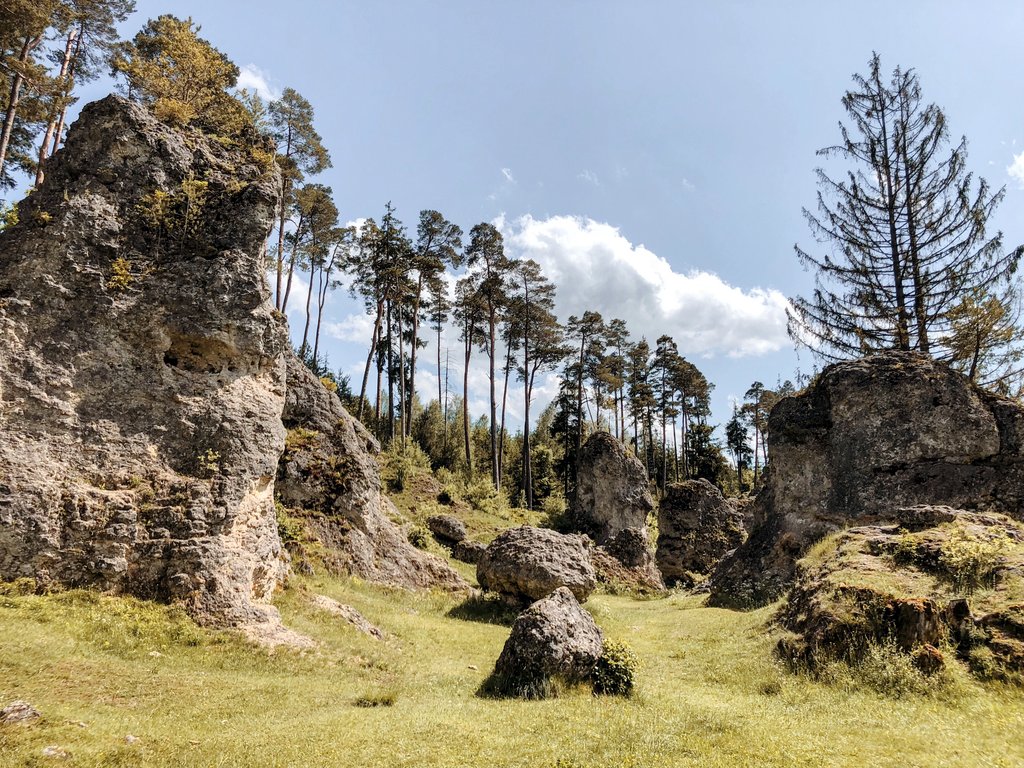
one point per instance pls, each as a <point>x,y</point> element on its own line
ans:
<point>19,713</point>
<point>447,529</point>
<point>553,641</point>
<point>468,551</point>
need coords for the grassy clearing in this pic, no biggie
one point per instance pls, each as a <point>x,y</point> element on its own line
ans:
<point>708,693</point>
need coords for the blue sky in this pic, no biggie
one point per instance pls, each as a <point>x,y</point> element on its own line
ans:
<point>654,156</point>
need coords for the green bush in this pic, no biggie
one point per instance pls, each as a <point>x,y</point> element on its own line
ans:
<point>971,561</point>
<point>615,672</point>
<point>419,537</point>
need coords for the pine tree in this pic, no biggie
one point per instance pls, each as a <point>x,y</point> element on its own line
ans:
<point>906,226</point>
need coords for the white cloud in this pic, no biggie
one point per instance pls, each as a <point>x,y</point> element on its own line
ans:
<point>1016,169</point>
<point>595,267</point>
<point>357,328</point>
<point>688,185</point>
<point>507,173</point>
<point>588,176</point>
<point>252,78</point>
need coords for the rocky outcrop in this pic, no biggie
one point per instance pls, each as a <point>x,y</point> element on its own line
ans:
<point>328,478</point>
<point>869,436</point>
<point>936,578</point>
<point>612,492</point>
<point>141,382</point>
<point>697,526</point>
<point>613,500</point>
<point>469,551</point>
<point>447,529</point>
<point>19,713</point>
<point>552,641</point>
<point>527,563</point>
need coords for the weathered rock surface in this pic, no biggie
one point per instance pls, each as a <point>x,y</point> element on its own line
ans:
<point>553,639</point>
<point>469,551</point>
<point>612,493</point>
<point>626,562</point>
<point>528,563</point>
<point>697,526</point>
<point>613,500</point>
<point>19,713</point>
<point>937,577</point>
<point>348,614</point>
<point>141,382</point>
<point>870,436</point>
<point>446,528</point>
<point>329,478</point>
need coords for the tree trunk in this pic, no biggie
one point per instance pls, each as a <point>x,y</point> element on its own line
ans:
<point>465,403</point>
<point>282,219</point>
<point>492,324</point>
<point>15,97</point>
<point>412,354</point>
<point>391,374</point>
<point>309,297</point>
<point>369,360</point>
<point>504,400</point>
<point>51,125</point>
<point>402,394</point>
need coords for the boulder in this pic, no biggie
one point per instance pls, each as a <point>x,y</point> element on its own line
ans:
<point>697,526</point>
<point>329,479</point>
<point>447,529</point>
<point>469,551</point>
<point>935,578</point>
<point>552,640</point>
<point>612,492</point>
<point>347,614</point>
<point>141,379</point>
<point>19,713</point>
<point>869,436</point>
<point>626,563</point>
<point>528,563</point>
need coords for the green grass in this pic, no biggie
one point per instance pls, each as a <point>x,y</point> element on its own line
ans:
<point>708,693</point>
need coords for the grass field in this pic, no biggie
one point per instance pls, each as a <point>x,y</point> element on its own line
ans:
<point>709,693</point>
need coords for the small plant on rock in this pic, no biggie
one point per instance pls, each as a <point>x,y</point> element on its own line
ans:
<point>615,672</point>
<point>419,537</point>
<point>971,561</point>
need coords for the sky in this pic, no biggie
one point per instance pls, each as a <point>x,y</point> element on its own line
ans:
<point>653,156</point>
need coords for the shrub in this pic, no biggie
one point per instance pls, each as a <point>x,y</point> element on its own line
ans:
<point>971,561</point>
<point>893,672</point>
<point>615,672</point>
<point>419,537</point>
<point>383,699</point>
<point>483,496</point>
<point>120,274</point>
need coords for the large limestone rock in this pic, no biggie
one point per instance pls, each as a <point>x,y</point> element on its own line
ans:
<point>141,382</point>
<point>933,579</point>
<point>552,640</point>
<point>328,477</point>
<point>697,526</point>
<point>528,563</point>
<point>870,436</point>
<point>612,492</point>
<point>613,500</point>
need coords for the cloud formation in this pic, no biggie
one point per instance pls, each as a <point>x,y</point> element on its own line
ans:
<point>252,78</point>
<point>595,267</point>
<point>1016,169</point>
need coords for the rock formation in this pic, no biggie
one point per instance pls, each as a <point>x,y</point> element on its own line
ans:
<point>447,529</point>
<point>613,500</point>
<point>141,382</point>
<point>612,492</point>
<point>552,640</point>
<point>935,578</point>
<point>697,526</point>
<point>469,551</point>
<point>329,479</point>
<point>528,563</point>
<point>870,436</point>
<point>347,614</point>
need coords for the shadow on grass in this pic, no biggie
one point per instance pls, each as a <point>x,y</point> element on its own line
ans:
<point>486,608</point>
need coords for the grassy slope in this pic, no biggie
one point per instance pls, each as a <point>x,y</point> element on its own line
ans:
<point>709,694</point>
